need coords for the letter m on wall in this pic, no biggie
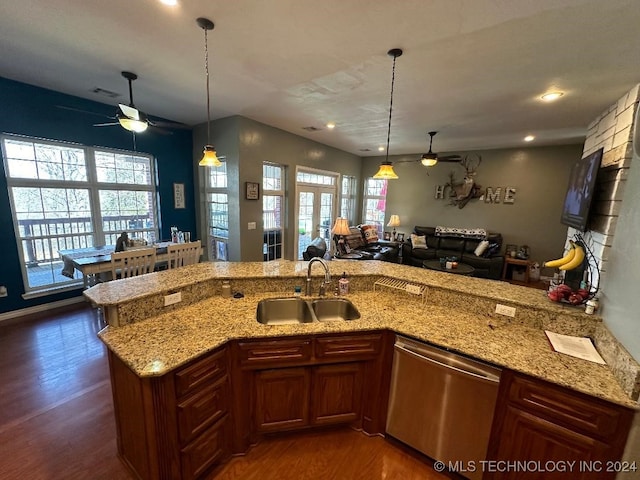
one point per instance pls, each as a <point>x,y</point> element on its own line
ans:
<point>492,197</point>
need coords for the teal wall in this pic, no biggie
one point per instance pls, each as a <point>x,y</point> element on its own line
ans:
<point>33,111</point>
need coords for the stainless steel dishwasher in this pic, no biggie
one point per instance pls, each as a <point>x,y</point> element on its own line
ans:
<point>442,404</point>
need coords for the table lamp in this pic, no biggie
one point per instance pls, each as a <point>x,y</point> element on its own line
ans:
<point>394,222</point>
<point>341,228</point>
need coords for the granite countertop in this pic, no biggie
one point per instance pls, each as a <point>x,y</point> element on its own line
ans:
<point>119,291</point>
<point>157,345</point>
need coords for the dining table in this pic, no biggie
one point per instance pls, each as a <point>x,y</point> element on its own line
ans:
<point>94,263</point>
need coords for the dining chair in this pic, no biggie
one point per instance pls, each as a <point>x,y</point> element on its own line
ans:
<point>182,254</point>
<point>131,263</point>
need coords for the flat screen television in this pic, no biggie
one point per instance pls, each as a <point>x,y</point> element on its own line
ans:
<point>577,201</point>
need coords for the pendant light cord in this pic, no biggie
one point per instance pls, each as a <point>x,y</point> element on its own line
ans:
<point>393,80</point>
<point>206,69</point>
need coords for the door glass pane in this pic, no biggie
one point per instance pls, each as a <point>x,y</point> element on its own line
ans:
<point>326,216</point>
<point>306,225</point>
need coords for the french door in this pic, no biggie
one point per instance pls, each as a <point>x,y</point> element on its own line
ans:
<point>315,210</point>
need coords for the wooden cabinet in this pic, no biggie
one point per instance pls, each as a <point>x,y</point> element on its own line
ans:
<point>175,426</point>
<point>337,393</point>
<point>541,422</point>
<point>294,383</point>
<point>282,399</point>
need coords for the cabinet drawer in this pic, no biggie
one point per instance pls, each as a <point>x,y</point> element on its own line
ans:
<point>585,414</point>
<point>345,347</point>
<point>201,372</point>
<point>206,450</point>
<point>202,409</point>
<point>275,352</point>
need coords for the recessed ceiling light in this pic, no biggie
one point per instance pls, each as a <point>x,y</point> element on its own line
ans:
<point>529,138</point>
<point>381,148</point>
<point>171,3</point>
<point>331,125</point>
<point>551,96</point>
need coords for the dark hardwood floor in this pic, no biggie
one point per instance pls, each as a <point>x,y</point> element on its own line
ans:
<point>56,418</point>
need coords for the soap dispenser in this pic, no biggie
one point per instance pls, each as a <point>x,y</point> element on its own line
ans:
<point>343,284</point>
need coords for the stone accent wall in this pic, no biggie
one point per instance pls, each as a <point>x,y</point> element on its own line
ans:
<point>613,131</point>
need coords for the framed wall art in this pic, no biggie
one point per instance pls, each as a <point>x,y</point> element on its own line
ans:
<point>252,190</point>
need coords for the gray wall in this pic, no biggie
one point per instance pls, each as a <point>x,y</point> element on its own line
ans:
<point>247,144</point>
<point>621,305</point>
<point>539,175</point>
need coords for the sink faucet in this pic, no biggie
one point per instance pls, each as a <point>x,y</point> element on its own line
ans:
<point>327,276</point>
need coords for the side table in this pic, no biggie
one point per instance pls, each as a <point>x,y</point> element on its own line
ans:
<point>507,272</point>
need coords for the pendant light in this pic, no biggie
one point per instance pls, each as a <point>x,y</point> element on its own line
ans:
<point>386,168</point>
<point>209,157</point>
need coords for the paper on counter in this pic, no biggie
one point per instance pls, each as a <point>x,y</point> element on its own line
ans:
<point>580,347</point>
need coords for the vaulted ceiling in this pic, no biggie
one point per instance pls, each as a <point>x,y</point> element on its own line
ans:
<point>474,70</point>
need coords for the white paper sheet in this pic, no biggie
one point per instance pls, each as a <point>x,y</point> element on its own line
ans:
<point>580,347</point>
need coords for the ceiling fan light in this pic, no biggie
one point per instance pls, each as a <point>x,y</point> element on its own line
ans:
<point>429,159</point>
<point>209,157</point>
<point>132,125</point>
<point>386,172</point>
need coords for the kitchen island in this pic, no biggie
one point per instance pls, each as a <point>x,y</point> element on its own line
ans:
<point>151,343</point>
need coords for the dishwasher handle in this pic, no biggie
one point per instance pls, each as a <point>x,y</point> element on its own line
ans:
<point>486,377</point>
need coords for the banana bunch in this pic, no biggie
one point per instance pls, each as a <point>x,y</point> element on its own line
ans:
<point>571,260</point>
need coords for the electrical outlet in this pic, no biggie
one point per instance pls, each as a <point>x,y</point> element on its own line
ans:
<point>415,289</point>
<point>504,310</point>
<point>252,225</point>
<point>3,291</point>
<point>172,299</point>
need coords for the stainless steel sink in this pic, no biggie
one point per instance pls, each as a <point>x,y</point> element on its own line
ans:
<point>331,309</point>
<point>284,311</point>
<point>293,310</point>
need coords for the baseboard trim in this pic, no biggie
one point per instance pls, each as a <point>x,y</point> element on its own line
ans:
<point>12,315</point>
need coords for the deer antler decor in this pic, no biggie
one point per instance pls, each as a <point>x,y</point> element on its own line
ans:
<point>463,191</point>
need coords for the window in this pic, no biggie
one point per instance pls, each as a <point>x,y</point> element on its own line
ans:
<point>375,194</point>
<point>217,212</point>
<point>272,210</point>
<point>68,196</point>
<point>348,199</point>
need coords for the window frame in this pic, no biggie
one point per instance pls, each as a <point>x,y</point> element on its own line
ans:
<point>97,235</point>
<point>268,234</point>
<point>348,198</point>
<point>379,220</point>
<point>217,244</point>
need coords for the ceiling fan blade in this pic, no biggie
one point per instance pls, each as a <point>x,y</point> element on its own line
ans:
<point>163,124</point>
<point>78,110</point>
<point>449,158</point>
<point>160,130</point>
<point>110,124</point>
<point>130,112</point>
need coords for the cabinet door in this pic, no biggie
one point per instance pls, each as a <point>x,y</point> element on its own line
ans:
<point>337,393</point>
<point>543,447</point>
<point>282,399</point>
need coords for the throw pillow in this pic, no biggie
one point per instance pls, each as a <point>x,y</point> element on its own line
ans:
<point>480,249</point>
<point>370,233</point>
<point>418,241</point>
<point>354,239</point>
<point>492,249</point>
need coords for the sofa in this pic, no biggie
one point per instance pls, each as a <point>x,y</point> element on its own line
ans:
<point>442,242</point>
<point>362,243</point>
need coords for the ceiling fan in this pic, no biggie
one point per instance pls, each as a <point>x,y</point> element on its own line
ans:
<point>430,158</point>
<point>129,117</point>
